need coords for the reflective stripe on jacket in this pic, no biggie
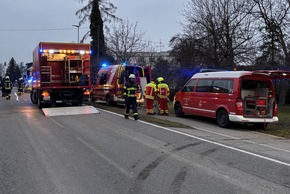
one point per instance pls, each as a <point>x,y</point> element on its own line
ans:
<point>130,89</point>
<point>163,90</point>
<point>150,91</point>
<point>7,85</point>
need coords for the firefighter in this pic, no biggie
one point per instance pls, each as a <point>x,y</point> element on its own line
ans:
<point>20,85</point>
<point>7,87</point>
<point>150,93</point>
<point>130,90</point>
<point>162,96</point>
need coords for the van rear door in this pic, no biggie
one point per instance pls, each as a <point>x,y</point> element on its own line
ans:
<point>273,74</point>
<point>258,93</point>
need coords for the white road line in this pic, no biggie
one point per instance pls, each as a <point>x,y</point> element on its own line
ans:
<point>56,122</point>
<point>236,138</point>
<point>212,142</point>
<point>127,174</point>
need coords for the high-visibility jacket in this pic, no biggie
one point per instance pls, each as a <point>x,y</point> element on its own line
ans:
<point>130,89</point>
<point>163,90</point>
<point>7,84</point>
<point>150,91</point>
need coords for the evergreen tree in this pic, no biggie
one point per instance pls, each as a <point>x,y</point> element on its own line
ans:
<point>97,12</point>
<point>13,70</point>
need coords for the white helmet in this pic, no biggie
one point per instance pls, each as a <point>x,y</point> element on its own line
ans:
<point>20,78</point>
<point>131,76</point>
<point>7,77</point>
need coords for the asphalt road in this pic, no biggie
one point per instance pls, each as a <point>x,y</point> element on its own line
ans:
<point>105,153</point>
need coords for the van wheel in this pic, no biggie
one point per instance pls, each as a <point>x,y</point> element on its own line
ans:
<point>223,119</point>
<point>178,110</point>
<point>108,101</point>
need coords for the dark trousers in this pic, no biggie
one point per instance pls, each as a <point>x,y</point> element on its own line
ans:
<point>131,103</point>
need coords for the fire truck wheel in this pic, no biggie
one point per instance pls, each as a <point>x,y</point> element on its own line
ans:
<point>33,97</point>
<point>39,104</point>
<point>53,103</point>
<point>223,119</point>
<point>92,99</point>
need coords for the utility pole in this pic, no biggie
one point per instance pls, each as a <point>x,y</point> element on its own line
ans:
<point>78,26</point>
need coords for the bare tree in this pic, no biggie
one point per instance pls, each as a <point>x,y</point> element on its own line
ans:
<point>221,30</point>
<point>2,70</point>
<point>274,26</point>
<point>275,16</point>
<point>125,41</point>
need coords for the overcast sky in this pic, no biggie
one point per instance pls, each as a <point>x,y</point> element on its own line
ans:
<point>24,23</point>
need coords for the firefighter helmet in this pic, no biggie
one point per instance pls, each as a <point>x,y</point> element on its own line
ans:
<point>131,76</point>
<point>7,77</point>
<point>160,79</point>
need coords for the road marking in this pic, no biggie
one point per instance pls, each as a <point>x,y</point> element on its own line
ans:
<point>106,158</point>
<point>56,122</point>
<point>209,141</point>
<point>236,138</point>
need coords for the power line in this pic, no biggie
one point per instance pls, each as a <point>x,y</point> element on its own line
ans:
<point>39,29</point>
<point>161,44</point>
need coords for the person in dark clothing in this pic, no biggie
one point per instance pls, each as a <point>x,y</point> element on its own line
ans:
<point>84,80</point>
<point>130,90</point>
<point>7,87</point>
<point>20,86</point>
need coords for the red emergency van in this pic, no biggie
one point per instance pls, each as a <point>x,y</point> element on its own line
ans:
<point>111,80</point>
<point>231,96</point>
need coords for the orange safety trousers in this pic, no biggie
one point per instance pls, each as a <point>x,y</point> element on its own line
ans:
<point>163,106</point>
<point>150,106</point>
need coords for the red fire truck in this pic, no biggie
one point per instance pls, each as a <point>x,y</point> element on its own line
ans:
<point>111,79</point>
<point>60,73</point>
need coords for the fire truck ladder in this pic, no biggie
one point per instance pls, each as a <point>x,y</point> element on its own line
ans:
<point>46,74</point>
<point>72,73</point>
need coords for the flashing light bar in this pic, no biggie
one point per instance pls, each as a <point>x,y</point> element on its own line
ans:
<point>51,51</point>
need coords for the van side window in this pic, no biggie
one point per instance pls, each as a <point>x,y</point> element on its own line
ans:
<point>223,86</point>
<point>122,76</point>
<point>204,85</point>
<point>189,87</point>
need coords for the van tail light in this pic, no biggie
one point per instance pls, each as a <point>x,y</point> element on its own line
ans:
<point>239,106</point>
<point>275,112</point>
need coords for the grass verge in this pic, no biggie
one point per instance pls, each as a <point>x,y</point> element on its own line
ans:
<point>282,128</point>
